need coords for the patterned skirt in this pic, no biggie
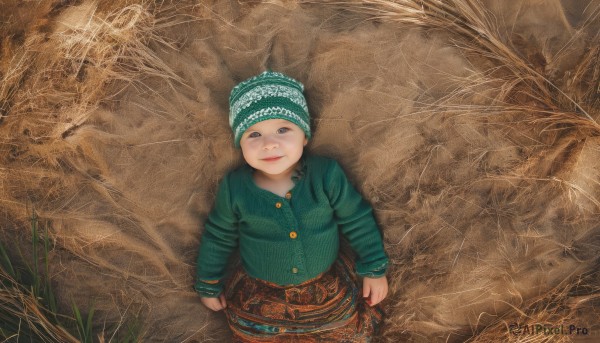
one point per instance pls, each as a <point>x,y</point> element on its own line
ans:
<point>328,308</point>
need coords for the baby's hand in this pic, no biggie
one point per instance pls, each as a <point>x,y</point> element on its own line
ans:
<point>215,304</point>
<point>375,289</point>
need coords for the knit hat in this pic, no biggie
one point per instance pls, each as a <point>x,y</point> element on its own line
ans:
<point>270,95</point>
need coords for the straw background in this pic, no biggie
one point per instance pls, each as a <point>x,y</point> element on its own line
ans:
<point>470,126</point>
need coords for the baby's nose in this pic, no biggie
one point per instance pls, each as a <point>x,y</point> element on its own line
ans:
<point>270,143</point>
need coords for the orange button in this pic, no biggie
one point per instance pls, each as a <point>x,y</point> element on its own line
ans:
<point>293,235</point>
<point>278,205</point>
<point>288,195</point>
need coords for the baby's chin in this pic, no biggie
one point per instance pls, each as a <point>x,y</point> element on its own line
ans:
<point>274,169</point>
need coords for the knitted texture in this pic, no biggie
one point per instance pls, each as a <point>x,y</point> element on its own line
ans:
<point>270,95</point>
<point>288,240</point>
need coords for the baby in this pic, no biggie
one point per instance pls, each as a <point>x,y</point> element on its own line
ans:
<point>285,210</point>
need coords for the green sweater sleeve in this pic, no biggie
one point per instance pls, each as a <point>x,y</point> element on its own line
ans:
<point>357,223</point>
<point>219,240</point>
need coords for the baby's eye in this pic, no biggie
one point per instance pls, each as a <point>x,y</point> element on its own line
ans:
<point>254,134</point>
<point>283,130</point>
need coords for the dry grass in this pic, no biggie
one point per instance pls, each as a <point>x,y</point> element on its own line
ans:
<point>25,310</point>
<point>474,30</point>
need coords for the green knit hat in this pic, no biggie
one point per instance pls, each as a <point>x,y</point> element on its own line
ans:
<point>269,95</point>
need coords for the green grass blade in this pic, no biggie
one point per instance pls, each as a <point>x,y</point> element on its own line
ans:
<point>84,328</point>
<point>89,322</point>
<point>79,323</point>
<point>6,263</point>
<point>35,238</point>
<point>48,292</point>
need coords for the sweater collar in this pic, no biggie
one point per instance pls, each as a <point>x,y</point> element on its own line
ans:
<point>300,171</point>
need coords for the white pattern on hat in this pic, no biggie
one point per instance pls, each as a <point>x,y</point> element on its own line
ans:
<point>266,91</point>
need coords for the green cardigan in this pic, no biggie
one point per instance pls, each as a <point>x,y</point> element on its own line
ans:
<point>288,240</point>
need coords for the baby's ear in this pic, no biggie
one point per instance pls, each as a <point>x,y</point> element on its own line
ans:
<point>305,140</point>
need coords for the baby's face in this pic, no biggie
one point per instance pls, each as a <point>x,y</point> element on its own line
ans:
<point>273,146</point>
